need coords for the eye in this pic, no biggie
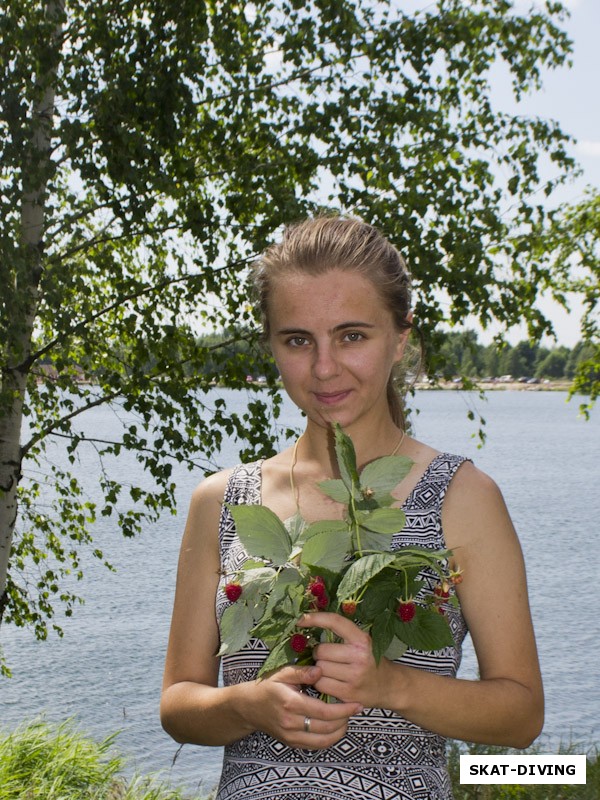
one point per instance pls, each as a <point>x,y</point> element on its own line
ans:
<point>297,341</point>
<point>354,336</point>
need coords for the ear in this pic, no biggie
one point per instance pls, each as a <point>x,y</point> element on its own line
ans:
<point>403,339</point>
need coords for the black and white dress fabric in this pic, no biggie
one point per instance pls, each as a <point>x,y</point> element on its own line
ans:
<point>382,756</point>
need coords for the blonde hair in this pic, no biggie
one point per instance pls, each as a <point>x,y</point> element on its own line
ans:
<point>315,246</point>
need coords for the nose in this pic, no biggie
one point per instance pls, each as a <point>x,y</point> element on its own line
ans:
<point>325,364</point>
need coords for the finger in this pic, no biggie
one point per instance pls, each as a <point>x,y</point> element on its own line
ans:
<point>297,675</point>
<point>344,673</point>
<point>320,727</point>
<point>316,709</point>
<point>339,653</point>
<point>335,688</point>
<point>318,741</point>
<point>341,626</point>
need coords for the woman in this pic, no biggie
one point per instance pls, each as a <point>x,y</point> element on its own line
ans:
<point>335,301</point>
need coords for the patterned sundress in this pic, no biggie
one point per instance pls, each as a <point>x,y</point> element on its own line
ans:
<point>382,756</point>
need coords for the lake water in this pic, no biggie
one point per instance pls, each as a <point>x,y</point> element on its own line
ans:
<point>106,672</point>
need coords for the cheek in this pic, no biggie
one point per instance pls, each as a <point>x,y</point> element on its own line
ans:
<point>291,369</point>
<point>376,366</point>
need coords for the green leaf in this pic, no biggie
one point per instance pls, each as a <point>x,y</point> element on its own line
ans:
<point>279,656</point>
<point>382,520</point>
<point>376,501</point>
<point>382,592</point>
<point>382,634</point>
<point>291,604</point>
<point>428,630</point>
<point>361,571</point>
<point>336,489</point>
<point>276,627</point>
<point>346,460</point>
<point>256,585</point>
<point>295,526</point>
<point>372,541</point>
<point>262,575</point>
<point>421,557</point>
<point>333,526</point>
<point>284,579</point>
<point>384,474</point>
<point>261,532</point>
<point>236,624</point>
<point>396,649</point>
<point>252,563</point>
<point>328,550</point>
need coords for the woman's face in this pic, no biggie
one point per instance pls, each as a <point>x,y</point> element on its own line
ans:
<point>335,343</point>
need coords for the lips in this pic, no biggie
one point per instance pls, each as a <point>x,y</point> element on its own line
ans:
<point>331,398</point>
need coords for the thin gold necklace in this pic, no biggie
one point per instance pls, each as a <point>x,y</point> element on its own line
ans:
<point>295,492</point>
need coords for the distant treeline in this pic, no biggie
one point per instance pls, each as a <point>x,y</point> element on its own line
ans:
<point>465,355</point>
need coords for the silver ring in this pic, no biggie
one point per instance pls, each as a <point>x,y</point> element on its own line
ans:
<point>307,724</point>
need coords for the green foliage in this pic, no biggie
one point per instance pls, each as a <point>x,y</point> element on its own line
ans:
<point>262,533</point>
<point>338,556</point>
<point>39,761</point>
<point>464,355</point>
<point>150,150</point>
<point>571,243</point>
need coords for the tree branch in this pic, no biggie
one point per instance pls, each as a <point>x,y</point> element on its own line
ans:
<point>58,422</point>
<point>112,443</point>
<point>145,290</point>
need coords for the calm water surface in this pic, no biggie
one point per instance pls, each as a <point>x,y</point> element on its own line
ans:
<point>107,670</point>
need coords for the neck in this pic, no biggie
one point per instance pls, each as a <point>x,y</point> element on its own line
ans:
<point>317,444</point>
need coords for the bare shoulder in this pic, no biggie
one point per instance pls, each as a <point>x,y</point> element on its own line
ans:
<point>212,488</point>
<point>469,483</point>
<point>474,506</point>
<point>206,503</point>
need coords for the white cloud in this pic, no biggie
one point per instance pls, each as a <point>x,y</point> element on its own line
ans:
<point>589,148</point>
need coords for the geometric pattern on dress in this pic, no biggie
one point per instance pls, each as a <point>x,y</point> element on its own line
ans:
<point>382,755</point>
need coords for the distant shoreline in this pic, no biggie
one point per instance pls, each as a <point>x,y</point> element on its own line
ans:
<point>458,386</point>
<point>494,386</point>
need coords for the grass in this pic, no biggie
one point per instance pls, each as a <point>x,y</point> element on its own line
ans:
<point>39,761</point>
<point>43,762</point>
<point>540,791</point>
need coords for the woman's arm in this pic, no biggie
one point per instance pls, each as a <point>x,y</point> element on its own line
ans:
<point>193,708</point>
<point>506,705</point>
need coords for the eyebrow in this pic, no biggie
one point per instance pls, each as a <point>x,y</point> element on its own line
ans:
<point>342,326</point>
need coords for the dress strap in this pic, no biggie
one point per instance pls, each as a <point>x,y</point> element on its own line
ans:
<point>243,487</point>
<point>433,484</point>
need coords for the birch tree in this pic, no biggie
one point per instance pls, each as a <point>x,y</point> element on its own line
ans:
<point>150,149</point>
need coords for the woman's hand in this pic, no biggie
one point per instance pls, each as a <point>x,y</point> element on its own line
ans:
<point>348,668</point>
<point>280,708</point>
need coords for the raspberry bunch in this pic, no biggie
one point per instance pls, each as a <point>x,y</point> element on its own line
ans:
<point>441,593</point>
<point>318,591</point>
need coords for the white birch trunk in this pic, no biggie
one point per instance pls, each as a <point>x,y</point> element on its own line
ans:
<point>14,377</point>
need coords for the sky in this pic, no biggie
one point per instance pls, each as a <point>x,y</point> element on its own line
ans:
<point>572,98</point>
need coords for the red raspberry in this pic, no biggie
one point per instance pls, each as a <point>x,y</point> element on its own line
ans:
<point>298,642</point>
<point>317,586</point>
<point>322,601</point>
<point>442,590</point>
<point>406,610</point>
<point>233,591</point>
<point>349,607</point>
